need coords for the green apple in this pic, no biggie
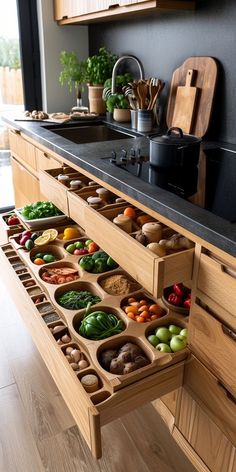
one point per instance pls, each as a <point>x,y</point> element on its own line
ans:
<point>174,329</point>
<point>184,332</point>
<point>163,347</point>
<point>153,339</point>
<point>178,343</point>
<point>79,245</point>
<point>70,248</point>
<point>163,333</point>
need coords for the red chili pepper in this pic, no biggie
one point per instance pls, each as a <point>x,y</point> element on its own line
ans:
<point>175,299</point>
<point>187,303</point>
<point>179,289</point>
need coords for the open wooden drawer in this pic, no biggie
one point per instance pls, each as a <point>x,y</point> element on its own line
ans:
<point>153,272</point>
<point>7,230</point>
<point>90,410</point>
<point>57,191</point>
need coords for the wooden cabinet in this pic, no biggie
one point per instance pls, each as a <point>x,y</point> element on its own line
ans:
<point>202,440</point>
<point>26,185</point>
<point>22,150</point>
<point>87,11</point>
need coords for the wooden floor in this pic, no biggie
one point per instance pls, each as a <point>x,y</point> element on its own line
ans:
<point>37,432</point>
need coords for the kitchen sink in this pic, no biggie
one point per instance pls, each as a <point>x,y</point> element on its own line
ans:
<point>88,133</point>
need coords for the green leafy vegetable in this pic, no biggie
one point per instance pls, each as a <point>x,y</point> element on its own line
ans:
<point>40,210</point>
<point>74,300</point>
<point>100,325</point>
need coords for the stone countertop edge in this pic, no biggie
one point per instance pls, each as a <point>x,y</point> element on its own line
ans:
<point>94,157</point>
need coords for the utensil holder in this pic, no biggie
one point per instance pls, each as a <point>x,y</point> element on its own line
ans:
<point>144,121</point>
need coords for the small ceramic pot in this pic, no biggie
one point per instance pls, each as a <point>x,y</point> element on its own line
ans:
<point>121,115</point>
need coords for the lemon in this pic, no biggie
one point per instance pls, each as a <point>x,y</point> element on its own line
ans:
<point>71,233</point>
<point>53,233</point>
<point>41,240</point>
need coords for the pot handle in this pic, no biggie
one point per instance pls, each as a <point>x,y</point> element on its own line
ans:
<point>175,128</point>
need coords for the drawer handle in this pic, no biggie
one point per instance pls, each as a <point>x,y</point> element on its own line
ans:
<point>46,155</point>
<point>228,394</point>
<point>228,332</point>
<point>16,131</point>
<point>229,271</point>
<point>115,5</point>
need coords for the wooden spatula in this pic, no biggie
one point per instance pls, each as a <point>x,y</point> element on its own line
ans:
<point>185,103</point>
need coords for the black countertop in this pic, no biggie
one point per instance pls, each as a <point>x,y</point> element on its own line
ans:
<point>94,157</point>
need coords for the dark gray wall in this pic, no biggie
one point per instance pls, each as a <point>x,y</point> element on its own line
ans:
<point>163,41</point>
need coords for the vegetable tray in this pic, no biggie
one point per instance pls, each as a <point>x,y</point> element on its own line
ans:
<point>132,331</point>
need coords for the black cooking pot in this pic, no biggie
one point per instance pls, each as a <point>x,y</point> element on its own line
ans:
<point>173,161</point>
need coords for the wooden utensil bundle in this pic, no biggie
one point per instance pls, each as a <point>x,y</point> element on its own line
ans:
<point>146,92</point>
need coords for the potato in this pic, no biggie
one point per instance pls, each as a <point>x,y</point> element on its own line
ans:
<point>106,358</point>
<point>116,366</point>
<point>140,361</point>
<point>133,349</point>
<point>129,367</point>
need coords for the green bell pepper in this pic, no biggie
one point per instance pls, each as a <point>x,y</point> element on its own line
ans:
<point>87,263</point>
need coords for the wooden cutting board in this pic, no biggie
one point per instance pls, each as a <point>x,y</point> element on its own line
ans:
<point>185,102</point>
<point>205,81</point>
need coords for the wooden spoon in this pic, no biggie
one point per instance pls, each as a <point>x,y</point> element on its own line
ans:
<point>142,90</point>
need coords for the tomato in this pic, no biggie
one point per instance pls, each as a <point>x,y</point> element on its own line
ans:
<point>154,317</point>
<point>140,319</point>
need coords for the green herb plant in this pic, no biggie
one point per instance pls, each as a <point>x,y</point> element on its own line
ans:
<point>74,300</point>
<point>73,72</point>
<point>99,67</point>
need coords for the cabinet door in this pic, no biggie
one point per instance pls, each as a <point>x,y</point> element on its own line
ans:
<point>26,185</point>
<point>204,437</point>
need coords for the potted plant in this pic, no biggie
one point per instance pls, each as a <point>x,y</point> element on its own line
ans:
<point>98,69</point>
<point>118,103</point>
<point>73,73</point>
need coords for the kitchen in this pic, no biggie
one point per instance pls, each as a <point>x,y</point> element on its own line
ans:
<point>202,28</point>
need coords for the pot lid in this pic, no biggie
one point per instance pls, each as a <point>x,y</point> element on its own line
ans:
<point>175,136</point>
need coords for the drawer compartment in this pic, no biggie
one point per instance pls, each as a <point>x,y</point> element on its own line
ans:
<point>212,396</point>
<point>22,149</point>
<point>7,230</point>
<point>137,260</point>
<point>218,282</point>
<point>214,344</point>
<point>91,410</point>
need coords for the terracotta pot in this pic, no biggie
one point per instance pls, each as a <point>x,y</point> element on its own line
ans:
<point>96,103</point>
<point>121,114</point>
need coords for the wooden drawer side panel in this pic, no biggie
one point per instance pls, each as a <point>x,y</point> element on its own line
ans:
<point>174,268</point>
<point>212,346</point>
<point>54,192</point>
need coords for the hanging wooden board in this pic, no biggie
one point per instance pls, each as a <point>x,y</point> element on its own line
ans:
<point>185,104</point>
<point>206,76</point>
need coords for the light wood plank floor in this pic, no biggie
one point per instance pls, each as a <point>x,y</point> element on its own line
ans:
<point>38,433</point>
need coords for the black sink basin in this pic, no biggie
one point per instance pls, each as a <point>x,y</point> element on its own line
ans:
<point>88,132</point>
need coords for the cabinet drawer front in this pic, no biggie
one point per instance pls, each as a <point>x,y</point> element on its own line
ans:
<point>45,161</point>
<point>54,191</point>
<point>22,149</point>
<point>26,185</point>
<point>218,282</point>
<point>204,436</point>
<point>214,344</point>
<point>171,269</point>
<point>210,393</point>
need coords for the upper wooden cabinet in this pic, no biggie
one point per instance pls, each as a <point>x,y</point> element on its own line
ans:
<point>88,11</point>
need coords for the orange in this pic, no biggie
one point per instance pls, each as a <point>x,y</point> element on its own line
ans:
<point>129,211</point>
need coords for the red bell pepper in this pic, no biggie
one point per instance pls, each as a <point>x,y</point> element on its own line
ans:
<point>175,299</point>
